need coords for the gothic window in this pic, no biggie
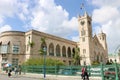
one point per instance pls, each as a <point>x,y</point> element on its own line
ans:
<point>103,38</point>
<point>83,32</point>
<point>101,58</point>
<point>97,57</point>
<point>84,51</point>
<point>89,22</point>
<point>83,39</point>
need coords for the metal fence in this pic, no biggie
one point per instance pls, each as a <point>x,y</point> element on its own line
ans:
<point>62,70</point>
<point>93,71</point>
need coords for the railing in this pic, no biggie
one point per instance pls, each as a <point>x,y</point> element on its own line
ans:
<point>93,71</point>
<point>63,70</point>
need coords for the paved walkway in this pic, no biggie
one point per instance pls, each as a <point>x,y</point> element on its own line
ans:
<point>52,77</point>
<point>59,77</point>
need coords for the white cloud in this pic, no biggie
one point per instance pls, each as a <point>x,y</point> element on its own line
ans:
<point>1,20</point>
<point>7,7</point>
<point>51,18</point>
<point>107,15</point>
<point>100,3</point>
<point>104,14</point>
<point>42,15</point>
<point>75,38</point>
<point>5,28</point>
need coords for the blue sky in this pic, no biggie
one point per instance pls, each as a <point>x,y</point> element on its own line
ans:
<point>73,6</point>
<point>59,17</point>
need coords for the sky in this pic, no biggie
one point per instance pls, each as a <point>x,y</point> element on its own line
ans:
<point>59,17</point>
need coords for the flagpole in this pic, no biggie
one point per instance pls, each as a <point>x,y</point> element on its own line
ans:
<point>82,7</point>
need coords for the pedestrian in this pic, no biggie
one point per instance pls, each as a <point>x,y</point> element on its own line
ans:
<point>85,74</point>
<point>9,73</point>
<point>6,70</point>
<point>16,70</point>
<point>83,70</point>
<point>19,70</point>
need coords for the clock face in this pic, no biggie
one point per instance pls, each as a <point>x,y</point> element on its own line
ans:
<point>82,22</point>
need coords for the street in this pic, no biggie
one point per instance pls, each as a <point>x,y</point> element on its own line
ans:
<point>5,77</point>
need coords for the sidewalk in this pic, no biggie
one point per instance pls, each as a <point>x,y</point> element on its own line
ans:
<point>58,77</point>
<point>53,77</point>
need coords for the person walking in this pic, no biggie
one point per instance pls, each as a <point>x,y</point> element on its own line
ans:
<point>83,70</point>
<point>85,74</point>
<point>16,70</point>
<point>9,73</point>
<point>19,70</point>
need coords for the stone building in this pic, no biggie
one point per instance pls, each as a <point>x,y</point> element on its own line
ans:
<point>15,46</point>
<point>92,48</point>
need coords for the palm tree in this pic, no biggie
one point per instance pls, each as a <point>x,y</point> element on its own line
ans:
<point>43,45</point>
<point>76,56</point>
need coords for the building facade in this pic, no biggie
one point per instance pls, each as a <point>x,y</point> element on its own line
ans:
<point>16,48</point>
<point>93,48</point>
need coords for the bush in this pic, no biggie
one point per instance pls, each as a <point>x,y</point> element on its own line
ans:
<point>40,62</point>
<point>95,63</point>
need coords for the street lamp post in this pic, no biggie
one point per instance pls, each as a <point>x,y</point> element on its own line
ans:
<point>116,68</point>
<point>116,51</point>
<point>44,69</point>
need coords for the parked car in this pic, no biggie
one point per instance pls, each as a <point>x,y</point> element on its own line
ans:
<point>111,74</point>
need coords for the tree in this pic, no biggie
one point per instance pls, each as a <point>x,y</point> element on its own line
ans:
<point>43,44</point>
<point>76,56</point>
<point>31,44</point>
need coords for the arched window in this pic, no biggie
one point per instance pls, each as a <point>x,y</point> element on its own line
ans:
<point>69,52</point>
<point>95,58</point>
<point>63,51</point>
<point>57,50</point>
<point>101,58</point>
<point>51,49</point>
<point>73,52</point>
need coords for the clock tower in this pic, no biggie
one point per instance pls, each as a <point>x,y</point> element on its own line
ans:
<point>85,35</point>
